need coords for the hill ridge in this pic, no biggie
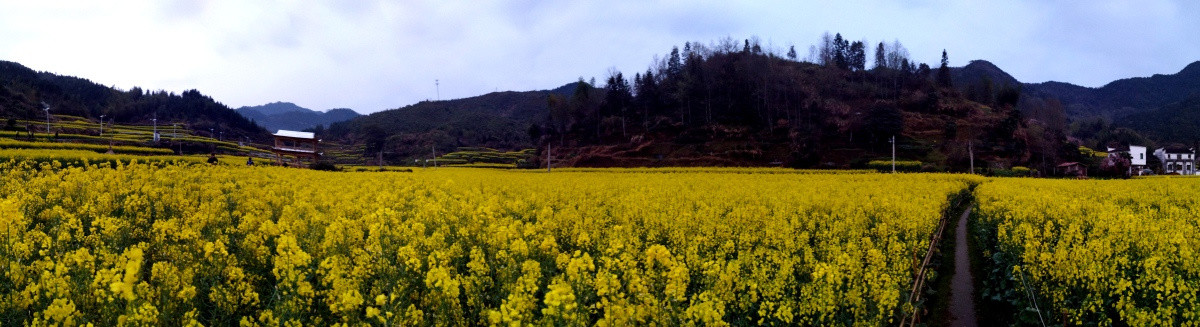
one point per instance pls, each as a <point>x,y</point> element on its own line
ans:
<point>286,115</point>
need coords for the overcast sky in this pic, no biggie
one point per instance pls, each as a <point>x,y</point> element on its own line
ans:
<point>378,55</point>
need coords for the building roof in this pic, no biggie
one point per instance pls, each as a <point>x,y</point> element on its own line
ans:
<point>1121,147</point>
<point>295,134</point>
<point>1177,149</point>
<point>1068,164</point>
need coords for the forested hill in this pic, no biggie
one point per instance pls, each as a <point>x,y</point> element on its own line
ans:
<point>23,92</point>
<point>495,120</point>
<point>733,103</point>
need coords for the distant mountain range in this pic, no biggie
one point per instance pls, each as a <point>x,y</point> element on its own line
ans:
<point>1164,107</point>
<point>286,115</point>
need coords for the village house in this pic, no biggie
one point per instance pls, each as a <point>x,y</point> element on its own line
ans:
<point>1177,160</point>
<point>1076,169</point>
<point>1137,156</point>
<point>299,145</point>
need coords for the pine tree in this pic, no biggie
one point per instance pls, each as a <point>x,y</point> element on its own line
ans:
<point>617,99</point>
<point>792,53</point>
<point>674,64</point>
<point>840,51</point>
<point>943,77</point>
<point>880,56</point>
<point>858,56</point>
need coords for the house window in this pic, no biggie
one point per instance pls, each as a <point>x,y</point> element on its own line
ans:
<point>1141,156</point>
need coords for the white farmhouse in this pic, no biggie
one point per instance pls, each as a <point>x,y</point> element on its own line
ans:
<point>1177,159</point>
<point>1137,156</point>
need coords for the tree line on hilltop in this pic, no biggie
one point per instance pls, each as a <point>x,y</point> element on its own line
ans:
<point>739,101</point>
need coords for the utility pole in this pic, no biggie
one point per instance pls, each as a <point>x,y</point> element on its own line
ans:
<point>101,124</point>
<point>434,148</point>
<point>155,121</point>
<point>46,108</point>
<point>893,142</point>
<point>437,85</point>
<point>549,156</point>
<point>971,150</point>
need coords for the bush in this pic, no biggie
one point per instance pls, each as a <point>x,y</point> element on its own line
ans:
<point>901,165</point>
<point>324,166</point>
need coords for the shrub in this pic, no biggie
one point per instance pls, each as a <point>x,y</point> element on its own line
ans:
<point>324,166</point>
<point>901,165</point>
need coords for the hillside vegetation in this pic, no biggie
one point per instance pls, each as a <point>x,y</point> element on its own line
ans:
<point>729,104</point>
<point>24,93</point>
<point>498,120</point>
<point>732,103</point>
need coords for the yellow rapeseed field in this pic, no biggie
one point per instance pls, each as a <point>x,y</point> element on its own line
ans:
<point>172,245</point>
<point>1121,252</point>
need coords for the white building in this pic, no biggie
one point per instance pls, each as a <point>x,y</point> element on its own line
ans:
<point>1137,156</point>
<point>1178,160</point>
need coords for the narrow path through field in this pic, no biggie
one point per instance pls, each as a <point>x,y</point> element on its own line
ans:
<point>962,287</point>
